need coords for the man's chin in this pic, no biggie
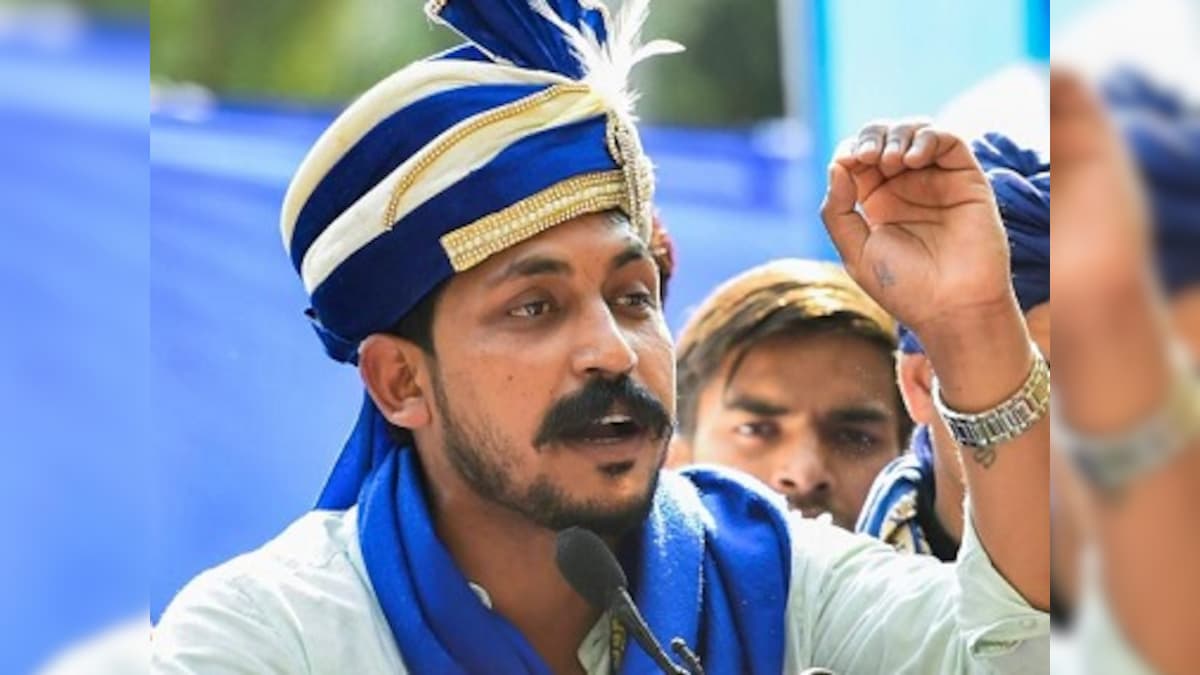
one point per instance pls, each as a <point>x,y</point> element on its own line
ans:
<point>614,522</point>
<point>604,513</point>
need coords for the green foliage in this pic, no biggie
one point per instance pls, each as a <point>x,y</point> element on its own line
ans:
<point>730,73</point>
<point>326,52</point>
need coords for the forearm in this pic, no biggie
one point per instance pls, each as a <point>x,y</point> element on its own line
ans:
<point>979,365</point>
<point>1116,374</point>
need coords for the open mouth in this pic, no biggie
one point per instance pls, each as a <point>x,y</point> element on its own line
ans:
<point>609,429</point>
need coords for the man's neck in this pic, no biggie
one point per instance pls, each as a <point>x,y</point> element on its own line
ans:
<point>513,560</point>
<point>948,482</point>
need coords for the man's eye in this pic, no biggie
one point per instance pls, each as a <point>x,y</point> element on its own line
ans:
<point>530,309</point>
<point>760,430</point>
<point>856,440</point>
<point>639,299</point>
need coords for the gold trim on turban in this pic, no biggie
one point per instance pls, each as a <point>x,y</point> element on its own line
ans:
<point>587,193</point>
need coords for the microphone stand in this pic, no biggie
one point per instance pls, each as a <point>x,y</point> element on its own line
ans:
<point>626,612</point>
<point>681,649</point>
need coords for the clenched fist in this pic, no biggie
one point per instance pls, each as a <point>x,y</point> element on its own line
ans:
<point>915,221</point>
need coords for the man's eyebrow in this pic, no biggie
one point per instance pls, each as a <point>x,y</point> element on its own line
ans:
<point>757,406</point>
<point>632,253</point>
<point>531,266</point>
<point>858,414</point>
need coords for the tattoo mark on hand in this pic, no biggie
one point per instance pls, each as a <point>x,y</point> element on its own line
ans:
<point>883,274</point>
<point>985,456</point>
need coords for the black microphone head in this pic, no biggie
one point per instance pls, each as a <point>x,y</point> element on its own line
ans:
<point>588,566</point>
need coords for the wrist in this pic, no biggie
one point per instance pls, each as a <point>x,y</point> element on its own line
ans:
<point>981,356</point>
<point>1108,305</point>
<point>1003,422</point>
<point>1116,373</point>
<point>1117,457</point>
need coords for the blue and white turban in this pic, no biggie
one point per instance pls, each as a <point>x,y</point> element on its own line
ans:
<point>1020,178</point>
<point>460,156</point>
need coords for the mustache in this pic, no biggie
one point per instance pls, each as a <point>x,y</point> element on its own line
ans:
<point>571,418</point>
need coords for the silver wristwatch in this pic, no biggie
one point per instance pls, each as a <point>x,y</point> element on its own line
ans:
<point>1111,462</point>
<point>1006,421</point>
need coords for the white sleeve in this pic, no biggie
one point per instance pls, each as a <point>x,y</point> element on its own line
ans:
<point>1100,646</point>
<point>215,626</point>
<point>857,606</point>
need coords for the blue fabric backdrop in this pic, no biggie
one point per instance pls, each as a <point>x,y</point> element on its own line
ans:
<point>75,333</point>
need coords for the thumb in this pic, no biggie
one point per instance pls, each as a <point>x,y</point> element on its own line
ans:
<point>845,224</point>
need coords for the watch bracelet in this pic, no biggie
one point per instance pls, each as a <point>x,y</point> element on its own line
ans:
<point>1005,421</point>
<point>1112,461</point>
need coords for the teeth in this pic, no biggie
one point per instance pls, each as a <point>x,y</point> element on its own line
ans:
<point>615,419</point>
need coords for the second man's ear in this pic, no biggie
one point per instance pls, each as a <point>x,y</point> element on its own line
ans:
<point>914,373</point>
<point>390,368</point>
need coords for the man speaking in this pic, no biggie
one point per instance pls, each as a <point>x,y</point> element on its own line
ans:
<point>472,233</point>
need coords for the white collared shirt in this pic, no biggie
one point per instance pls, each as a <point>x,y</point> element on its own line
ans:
<point>303,603</point>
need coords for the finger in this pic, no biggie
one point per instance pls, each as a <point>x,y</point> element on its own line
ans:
<point>1078,122</point>
<point>845,224</point>
<point>870,142</point>
<point>866,177</point>
<point>844,152</point>
<point>923,149</point>
<point>932,146</point>
<point>1069,93</point>
<point>899,140</point>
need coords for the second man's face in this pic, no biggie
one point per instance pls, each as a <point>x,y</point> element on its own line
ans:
<point>815,417</point>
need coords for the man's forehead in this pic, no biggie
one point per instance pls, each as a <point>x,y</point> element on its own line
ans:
<point>776,398</point>
<point>780,371</point>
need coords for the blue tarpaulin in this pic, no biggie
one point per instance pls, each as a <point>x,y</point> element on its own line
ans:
<point>74,376</point>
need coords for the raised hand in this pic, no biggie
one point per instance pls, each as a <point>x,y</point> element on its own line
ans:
<point>915,222</point>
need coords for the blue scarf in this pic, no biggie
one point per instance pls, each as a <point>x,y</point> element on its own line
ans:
<point>711,564</point>
<point>902,498</point>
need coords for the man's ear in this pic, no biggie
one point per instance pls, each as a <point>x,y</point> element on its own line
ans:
<point>914,373</point>
<point>392,368</point>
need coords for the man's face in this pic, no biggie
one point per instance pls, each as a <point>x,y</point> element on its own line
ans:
<point>815,417</point>
<point>554,377</point>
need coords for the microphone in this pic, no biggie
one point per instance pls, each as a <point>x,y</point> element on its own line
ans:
<point>593,571</point>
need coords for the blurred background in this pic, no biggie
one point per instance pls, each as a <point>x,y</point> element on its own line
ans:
<point>74,375</point>
<point>235,417</point>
